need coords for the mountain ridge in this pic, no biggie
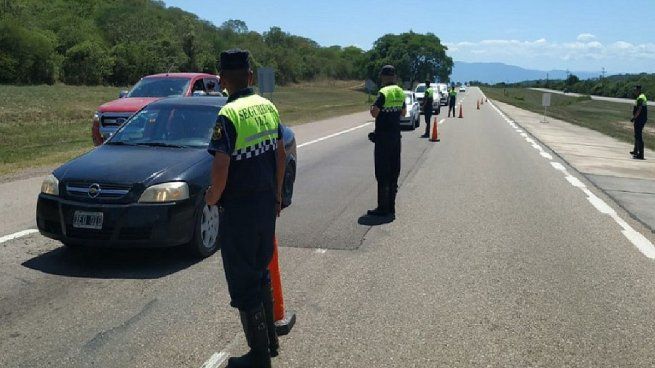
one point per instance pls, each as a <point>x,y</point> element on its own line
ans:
<point>497,72</point>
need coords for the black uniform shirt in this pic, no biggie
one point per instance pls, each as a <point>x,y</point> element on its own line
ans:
<point>247,176</point>
<point>388,122</point>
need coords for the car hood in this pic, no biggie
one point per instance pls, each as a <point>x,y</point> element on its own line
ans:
<point>131,165</point>
<point>419,94</point>
<point>126,104</point>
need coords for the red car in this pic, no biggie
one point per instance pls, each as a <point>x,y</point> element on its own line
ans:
<point>111,115</point>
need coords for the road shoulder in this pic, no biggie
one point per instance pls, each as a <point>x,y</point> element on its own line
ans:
<point>603,160</point>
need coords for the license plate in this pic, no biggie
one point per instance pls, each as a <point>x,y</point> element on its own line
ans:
<point>87,220</point>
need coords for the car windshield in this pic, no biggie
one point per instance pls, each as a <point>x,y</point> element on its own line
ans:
<point>174,126</point>
<point>420,89</point>
<point>159,87</point>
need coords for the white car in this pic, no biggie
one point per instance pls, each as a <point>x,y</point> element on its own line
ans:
<point>419,92</point>
<point>412,118</point>
<point>462,88</point>
<point>443,93</point>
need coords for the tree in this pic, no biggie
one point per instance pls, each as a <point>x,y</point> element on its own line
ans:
<point>87,63</point>
<point>235,25</point>
<point>572,79</point>
<point>415,56</point>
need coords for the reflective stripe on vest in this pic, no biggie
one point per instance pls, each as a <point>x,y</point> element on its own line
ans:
<point>256,121</point>
<point>394,98</point>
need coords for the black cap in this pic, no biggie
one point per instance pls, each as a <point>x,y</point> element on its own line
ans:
<point>427,82</point>
<point>388,70</point>
<point>638,86</point>
<point>235,59</point>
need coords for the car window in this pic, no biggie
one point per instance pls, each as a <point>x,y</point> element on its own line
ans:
<point>190,126</point>
<point>198,85</point>
<point>420,89</point>
<point>159,87</point>
<point>212,85</point>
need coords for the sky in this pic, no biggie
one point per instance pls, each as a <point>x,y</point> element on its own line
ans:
<point>582,35</point>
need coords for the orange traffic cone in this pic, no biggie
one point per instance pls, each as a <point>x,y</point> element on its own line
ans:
<point>482,101</point>
<point>478,104</point>
<point>435,133</point>
<point>461,111</point>
<point>284,321</point>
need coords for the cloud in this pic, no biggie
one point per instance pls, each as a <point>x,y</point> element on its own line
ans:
<point>586,37</point>
<point>586,52</point>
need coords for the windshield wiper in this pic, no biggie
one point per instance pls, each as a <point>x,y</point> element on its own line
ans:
<point>159,144</point>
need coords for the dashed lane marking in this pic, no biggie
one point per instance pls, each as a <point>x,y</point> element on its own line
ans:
<point>642,243</point>
<point>216,360</point>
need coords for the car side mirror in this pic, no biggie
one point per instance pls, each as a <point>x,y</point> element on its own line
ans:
<point>123,93</point>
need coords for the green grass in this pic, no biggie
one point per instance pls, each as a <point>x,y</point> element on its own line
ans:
<point>609,118</point>
<point>48,125</point>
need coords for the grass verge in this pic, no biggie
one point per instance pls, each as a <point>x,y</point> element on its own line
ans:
<point>609,118</point>
<point>48,125</point>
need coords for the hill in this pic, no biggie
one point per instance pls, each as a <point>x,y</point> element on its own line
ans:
<point>498,72</point>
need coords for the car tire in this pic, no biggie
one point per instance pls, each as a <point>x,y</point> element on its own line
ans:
<point>205,237</point>
<point>71,246</point>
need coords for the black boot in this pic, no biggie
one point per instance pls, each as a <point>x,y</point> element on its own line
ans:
<point>383,197</point>
<point>273,342</point>
<point>392,200</point>
<point>254,326</point>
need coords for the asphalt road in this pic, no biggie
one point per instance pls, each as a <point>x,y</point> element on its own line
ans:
<point>497,258</point>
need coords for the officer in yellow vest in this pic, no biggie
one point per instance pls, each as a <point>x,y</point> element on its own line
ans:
<point>452,100</point>
<point>246,179</point>
<point>387,110</point>
<point>428,100</point>
<point>639,118</point>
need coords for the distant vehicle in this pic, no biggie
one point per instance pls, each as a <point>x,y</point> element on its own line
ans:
<point>462,88</point>
<point>419,92</point>
<point>149,190</point>
<point>111,115</point>
<point>412,117</point>
<point>443,93</point>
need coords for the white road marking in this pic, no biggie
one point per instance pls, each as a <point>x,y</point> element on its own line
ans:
<point>17,235</point>
<point>642,243</point>
<point>320,251</point>
<point>216,360</point>
<point>334,135</point>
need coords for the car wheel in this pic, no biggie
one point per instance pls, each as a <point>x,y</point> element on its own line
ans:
<point>205,238</point>
<point>71,246</point>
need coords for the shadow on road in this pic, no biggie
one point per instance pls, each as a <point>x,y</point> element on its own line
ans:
<point>375,220</point>
<point>112,263</point>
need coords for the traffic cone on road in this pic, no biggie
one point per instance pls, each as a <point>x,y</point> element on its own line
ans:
<point>482,101</point>
<point>478,104</point>
<point>461,111</point>
<point>284,320</point>
<point>435,133</point>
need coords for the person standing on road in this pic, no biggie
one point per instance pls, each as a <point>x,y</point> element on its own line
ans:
<point>452,100</point>
<point>639,118</point>
<point>247,174</point>
<point>428,99</point>
<point>387,110</point>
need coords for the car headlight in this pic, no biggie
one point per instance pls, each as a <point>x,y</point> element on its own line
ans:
<point>50,185</point>
<point>165,192</point>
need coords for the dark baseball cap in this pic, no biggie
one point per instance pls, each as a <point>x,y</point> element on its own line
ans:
<point>388,70</point>
<point>638,86</point>
<point>235,59</point>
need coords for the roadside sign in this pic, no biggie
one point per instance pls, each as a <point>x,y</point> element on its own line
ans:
<point>370,86</point>
<point>545,100</point>
<point>265,80</point>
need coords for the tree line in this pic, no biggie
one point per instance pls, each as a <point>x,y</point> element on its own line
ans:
<point>621,85</point>
<point>89,42</point>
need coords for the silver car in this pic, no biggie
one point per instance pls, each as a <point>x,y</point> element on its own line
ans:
<point>412,116</point>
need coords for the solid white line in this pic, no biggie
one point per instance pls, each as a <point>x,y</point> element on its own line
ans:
<point>334,135</point>
<point>17,235</point>
<point>216,360</point>
<point>320,251</point>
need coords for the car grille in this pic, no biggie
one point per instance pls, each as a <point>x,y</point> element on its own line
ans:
<point>114,119</point>
<point>107,191</point>
<point>104,234</point>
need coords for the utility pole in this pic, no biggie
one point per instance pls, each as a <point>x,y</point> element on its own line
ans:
<point>603,72</point>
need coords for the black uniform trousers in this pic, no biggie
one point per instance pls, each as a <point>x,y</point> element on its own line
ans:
<point>428,116</point>
<point>451,107</point>
<point>639,137</point>
<point>387,169</point>
<point>247,231</point>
